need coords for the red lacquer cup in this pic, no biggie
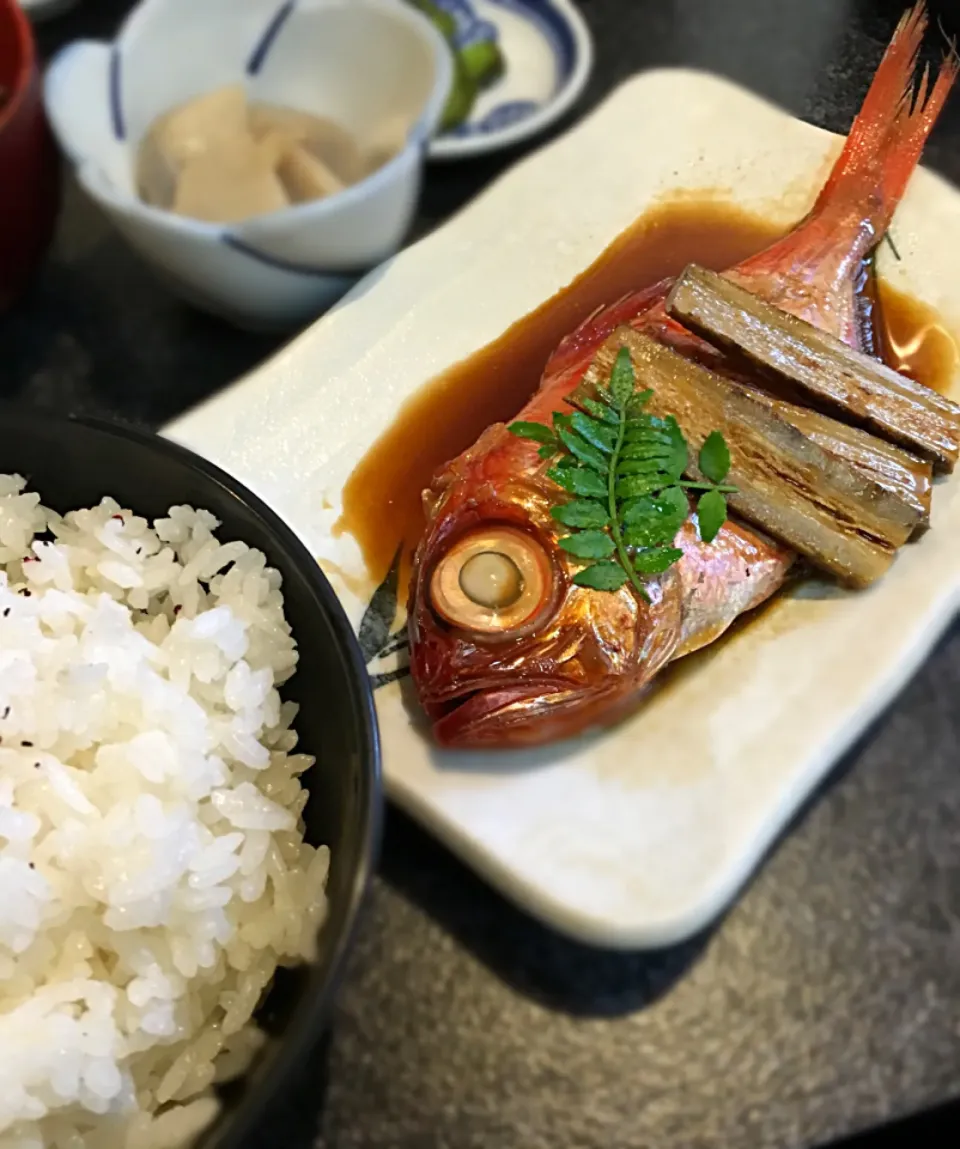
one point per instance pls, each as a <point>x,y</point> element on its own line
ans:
<point>29,165</point>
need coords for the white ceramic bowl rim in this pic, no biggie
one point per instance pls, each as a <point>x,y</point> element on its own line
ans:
<point>417,138</point>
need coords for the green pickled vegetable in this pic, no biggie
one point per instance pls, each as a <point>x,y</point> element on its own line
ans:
<point>462,96</point>
<point>474,67</point>
<point>483,61</point>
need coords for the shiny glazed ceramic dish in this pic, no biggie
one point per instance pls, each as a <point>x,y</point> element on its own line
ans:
<point>641,835</point>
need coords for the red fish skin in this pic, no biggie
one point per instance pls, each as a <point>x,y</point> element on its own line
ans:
<point>592,654</point>
<point>572,670</point>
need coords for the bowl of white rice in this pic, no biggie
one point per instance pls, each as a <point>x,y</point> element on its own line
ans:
<point>190,795</point>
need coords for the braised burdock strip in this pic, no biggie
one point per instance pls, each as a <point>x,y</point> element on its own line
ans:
<point>889,466</point>
<point>816,365</point>
<point>786,484</point>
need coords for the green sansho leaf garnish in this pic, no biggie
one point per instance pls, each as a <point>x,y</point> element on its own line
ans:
<point>625,469</point>
<point>535,431</point>
<point>589,545</point>
<point>578,481</point>
<point>655,560</point>
<point>602,576</point>
<point>581,513</point>
<point>711,514</point>
<point>715,457</point>
<point>581,449</point>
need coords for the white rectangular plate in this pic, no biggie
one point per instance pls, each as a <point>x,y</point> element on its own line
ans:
<point>640,836</point>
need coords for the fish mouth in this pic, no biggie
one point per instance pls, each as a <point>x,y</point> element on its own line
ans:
<point>485,715</point>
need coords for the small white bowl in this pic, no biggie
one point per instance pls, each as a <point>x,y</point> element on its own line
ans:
<point>360,62</point>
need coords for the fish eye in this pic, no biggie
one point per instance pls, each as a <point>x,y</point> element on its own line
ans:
<point>492,581</point>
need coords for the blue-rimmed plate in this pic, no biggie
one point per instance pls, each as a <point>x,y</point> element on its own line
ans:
<point>548,56</point>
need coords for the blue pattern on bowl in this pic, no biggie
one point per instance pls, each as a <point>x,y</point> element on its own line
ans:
<point>502,116</point>
<point>116,102</point>
<point>470,27</point>
<point>270,33</point>
<point>258,56</point>
<point>552,26</point>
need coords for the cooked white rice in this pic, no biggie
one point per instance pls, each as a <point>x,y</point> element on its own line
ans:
<point>152,865</point>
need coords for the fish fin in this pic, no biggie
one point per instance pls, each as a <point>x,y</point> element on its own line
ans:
<point>888,135</point>
<point>575,351</point>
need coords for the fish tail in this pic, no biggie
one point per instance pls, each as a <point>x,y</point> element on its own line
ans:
<point>888,136</point>
<point>813,271</point>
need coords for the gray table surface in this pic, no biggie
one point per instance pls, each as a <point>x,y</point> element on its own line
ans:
<point>827,1000</point>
